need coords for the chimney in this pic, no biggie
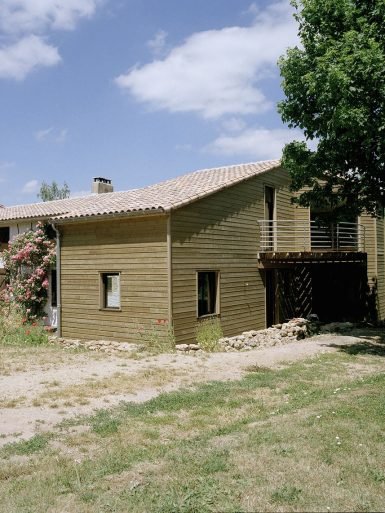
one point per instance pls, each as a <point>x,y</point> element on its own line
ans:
<point>101,185</point>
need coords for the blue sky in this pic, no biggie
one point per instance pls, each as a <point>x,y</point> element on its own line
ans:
<point>137,91</point>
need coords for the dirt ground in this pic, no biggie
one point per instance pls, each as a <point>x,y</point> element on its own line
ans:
<point>41,388</point>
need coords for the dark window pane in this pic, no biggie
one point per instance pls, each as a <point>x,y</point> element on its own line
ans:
<point>53,288</point>
<point>4,237</point>
<point>207,293</point>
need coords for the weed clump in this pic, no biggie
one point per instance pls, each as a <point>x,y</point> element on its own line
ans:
<point>157,338</point>
<point>15,330</point>
<point>208,332</point>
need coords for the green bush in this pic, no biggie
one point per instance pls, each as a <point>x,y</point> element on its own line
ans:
<point>207,333</point>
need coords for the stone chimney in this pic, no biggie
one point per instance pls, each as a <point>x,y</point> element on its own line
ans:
<point>101,185</point>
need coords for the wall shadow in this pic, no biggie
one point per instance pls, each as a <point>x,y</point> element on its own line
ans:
<point>372,342</point>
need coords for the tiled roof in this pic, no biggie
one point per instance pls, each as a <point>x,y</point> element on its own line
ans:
<point>164,196</point>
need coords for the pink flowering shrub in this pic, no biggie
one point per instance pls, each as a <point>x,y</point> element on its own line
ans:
<point>27,262</point>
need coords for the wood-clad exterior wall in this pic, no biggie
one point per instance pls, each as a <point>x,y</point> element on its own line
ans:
<point>220,233</point>
<point>375,249</point>
<point>136,248</point>
<point>380,227</point>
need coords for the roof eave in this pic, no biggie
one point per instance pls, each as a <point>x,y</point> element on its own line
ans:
<point>105,217</point>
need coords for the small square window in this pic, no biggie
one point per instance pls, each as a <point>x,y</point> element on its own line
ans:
<point>208,293</point>
<point>110,290</point>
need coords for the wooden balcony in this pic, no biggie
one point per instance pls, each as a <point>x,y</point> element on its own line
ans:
<point>288,236</point>
<point>292,241</point>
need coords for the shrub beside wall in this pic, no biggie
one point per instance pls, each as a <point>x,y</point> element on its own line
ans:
<point>27,262</point>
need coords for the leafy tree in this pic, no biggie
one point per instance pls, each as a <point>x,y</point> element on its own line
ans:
<point>50,192</point>
<point>335,92</point>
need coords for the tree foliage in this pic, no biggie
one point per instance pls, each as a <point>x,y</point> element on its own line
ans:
<point>335,92</point>
<point>50,192</point>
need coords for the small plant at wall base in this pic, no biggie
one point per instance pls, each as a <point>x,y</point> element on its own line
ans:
<point>27,262</point>
<point>13,331</point>
<point>159,337</point>
<point>208,332</point>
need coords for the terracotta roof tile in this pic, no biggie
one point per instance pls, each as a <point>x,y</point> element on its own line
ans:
<point>164,196</point>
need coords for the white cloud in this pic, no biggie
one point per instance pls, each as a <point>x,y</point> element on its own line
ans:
<point>41,135</point>
<point>217,72</point>
<point>30,187</point>
<point>61,136</point>
<point>258,143</point>
<point>253,9</point>
<point>158,42</point>
<point>19,59</point>
<point>24,25</point>
<point>31,16</point>
<point>233,124</point>
<point>51,134</point>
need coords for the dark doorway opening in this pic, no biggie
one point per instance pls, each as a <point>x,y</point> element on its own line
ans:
<point>339,292</point>
<point>271,297</point>
<point>335,292</point>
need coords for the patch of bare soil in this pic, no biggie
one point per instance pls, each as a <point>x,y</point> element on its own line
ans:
<point>37,397</point>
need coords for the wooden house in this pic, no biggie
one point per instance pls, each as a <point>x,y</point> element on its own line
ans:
<point>224,242</point>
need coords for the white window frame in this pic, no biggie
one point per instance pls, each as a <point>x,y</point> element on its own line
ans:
<point>103,300</point>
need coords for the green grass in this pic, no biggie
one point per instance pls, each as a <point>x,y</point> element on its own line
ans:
<point>25,447</point>
<point>304,438</point>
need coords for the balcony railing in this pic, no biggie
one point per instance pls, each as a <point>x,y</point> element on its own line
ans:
<point>291,236</point>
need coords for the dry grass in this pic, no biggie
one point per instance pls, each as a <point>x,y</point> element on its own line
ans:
<point>17,359</point>
<point>119,383</point>
<point>308,437</point>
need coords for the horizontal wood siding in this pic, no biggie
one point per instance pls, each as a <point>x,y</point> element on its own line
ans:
<point>380,268</point>
<point>134,247</point>
<point>375,249</point>
<point>370,245</point>
<point>284,209</point>
<point>302,233</point>
<point>220,233</point>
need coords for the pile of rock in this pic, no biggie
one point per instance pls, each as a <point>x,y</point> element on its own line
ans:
<point>189,348</point>
<point>279,334</point>
<point>105,346</point>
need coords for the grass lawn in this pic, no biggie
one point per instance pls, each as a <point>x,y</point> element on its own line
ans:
<point>308,437</point>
